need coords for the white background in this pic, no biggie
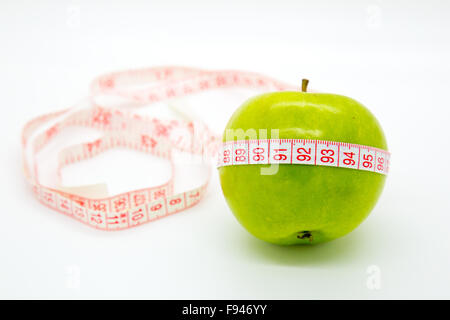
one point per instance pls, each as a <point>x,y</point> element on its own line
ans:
<point>390,55</point>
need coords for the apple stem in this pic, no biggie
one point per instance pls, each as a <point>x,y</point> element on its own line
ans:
<point>304,84</point>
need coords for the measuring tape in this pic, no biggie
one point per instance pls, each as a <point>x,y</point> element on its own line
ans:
<point>306,152</point>
<point>123,128</point>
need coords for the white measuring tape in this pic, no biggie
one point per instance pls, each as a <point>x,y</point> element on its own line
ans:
<point>123,128</point>
<point>304,151</point>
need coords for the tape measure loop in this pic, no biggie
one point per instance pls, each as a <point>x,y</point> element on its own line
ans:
<point>122,127</point>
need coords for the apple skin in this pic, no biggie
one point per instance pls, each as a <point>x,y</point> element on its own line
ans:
<point>321,202</point>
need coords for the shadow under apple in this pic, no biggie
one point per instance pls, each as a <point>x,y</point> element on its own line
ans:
<point>339,251</point>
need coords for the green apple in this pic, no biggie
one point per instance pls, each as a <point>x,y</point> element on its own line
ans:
<point>303,204</point>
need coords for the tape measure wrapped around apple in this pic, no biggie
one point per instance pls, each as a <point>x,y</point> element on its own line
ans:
<point>272,197</point>
<point>328,165</point>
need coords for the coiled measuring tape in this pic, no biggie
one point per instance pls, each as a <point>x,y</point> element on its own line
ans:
<point>123,128</point>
